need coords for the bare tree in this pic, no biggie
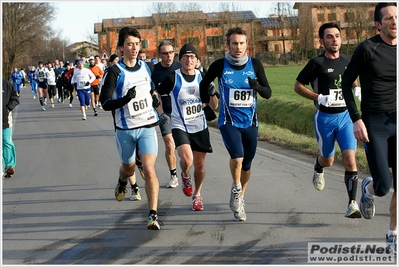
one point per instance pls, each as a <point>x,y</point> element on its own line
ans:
<point>25,28</point>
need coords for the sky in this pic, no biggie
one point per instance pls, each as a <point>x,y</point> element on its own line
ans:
<point>78,28</point>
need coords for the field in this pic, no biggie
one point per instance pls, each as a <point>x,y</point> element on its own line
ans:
<point>287,118</point>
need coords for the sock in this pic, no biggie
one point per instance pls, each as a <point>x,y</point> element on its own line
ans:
<point>94,109</point>
<point>173,172</point>
<point>392,232</point>
<point>122,182</point>
<point>237,186</point>
<point>317,167</point>
<point>351,184</point>
<point>41,101</point>
<point>153,212</point>
<point>134,186</point>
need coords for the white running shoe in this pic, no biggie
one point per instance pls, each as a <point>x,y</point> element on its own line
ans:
<point>43,108</point>
<point>173,182</point>
<point>70,106</point>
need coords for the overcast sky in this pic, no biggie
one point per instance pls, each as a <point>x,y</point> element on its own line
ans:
<point>76,18</point>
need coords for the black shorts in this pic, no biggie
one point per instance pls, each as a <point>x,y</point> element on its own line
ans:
<point>95,89</point>
<point>199,141</point>
<point>42,85</point>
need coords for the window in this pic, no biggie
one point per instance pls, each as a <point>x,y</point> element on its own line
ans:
<point>213,25</point>
<point>194,40</point>
<point>144,43</point>
<point>320,17</point>
<point>332,17</point>
<point>349,16</point>
<point>215,41</point>
<point>167,27</point>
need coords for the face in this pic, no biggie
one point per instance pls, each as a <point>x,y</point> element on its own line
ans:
<point>188,62</point>
<point>80,65</point>
<point>130,48</point>
<point>332,40</point>
<point>238,45</point>
<point>167,55</point>
<point>91,62</point>
<point>142,56</point>
<point>388,25</point>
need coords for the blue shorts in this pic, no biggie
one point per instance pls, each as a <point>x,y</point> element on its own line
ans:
<point>84,97</point>
<point>126,141</point>
<point>329,127</point>
<point>240,143</point>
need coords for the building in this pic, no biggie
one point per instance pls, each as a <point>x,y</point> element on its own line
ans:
<point>272,39</point>
<point>73,51</point>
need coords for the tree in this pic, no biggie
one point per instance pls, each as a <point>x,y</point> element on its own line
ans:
<point>25,28</point>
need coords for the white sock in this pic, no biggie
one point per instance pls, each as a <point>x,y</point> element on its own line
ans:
<point>392,232</point>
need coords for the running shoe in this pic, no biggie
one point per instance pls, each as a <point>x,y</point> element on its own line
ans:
<point>186,185</point>
<point>240,215</point>
<point>173,182</point>
<point>154,223</point>
<point>197,203</point>
<point>9,172</point>
<point>45,102</point>
<point>367,207</point>
<point>120,191</point>
<point>236,199</point>
<point>84,117</point>
<point>318,180</point>
<point>34,97</point>
<point>52,105</point>
<point>70,106</point>
<point>95,113</point>
<point>391,243</point>
<point>43,108</point>
<point>99,106</point>
<point>139,165</point>
<point>353,210</point>
<point>135,194</point>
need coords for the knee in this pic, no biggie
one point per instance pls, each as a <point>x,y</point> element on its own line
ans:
<point>381,188</point>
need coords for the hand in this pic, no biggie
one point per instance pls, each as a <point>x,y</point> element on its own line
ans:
<point>164,118</point>
<point>254,84</point>
<point>210,115</point>
<point>155,101</point>
<point>131,93</point>
<point>358,93</point>
<point>98,77</point>
<point>87,84</point>
<point>325,100</point>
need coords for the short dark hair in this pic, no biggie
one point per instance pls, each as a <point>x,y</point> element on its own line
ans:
<point>328,25</point>
<point>162,43</point>
<point>235,30</point>
<point>142,51</point>
<point>125,32</point>
<point>377,11</point>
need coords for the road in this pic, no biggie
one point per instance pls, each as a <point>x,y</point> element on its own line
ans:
<point>59,207</point>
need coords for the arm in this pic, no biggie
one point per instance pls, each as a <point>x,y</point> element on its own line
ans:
<point>302,90</point>
<point>214,71</point>
<point>264,90</point>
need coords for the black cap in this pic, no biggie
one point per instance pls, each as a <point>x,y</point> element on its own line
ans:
<point>187,49</point>
<point>112,58</point>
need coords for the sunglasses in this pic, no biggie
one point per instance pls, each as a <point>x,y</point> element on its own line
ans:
<point>167,53</point>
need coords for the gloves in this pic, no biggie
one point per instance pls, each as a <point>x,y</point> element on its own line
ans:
<point>131,93</point>
<point>325,100</point>
<point>254,84</point>
<point>87,84</point>
<point>155,101</point>
<point>358,93</point>
<point>164,118</point>
<point>209,113</point>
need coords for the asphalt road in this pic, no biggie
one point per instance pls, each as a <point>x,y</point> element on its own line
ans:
<point>59,207</point>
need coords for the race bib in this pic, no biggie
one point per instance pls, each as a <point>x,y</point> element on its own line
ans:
<point>191,111</point>
<point>82,83</point>
<point>240,98</point>
<point>337,98</point>
<point>139,107</point>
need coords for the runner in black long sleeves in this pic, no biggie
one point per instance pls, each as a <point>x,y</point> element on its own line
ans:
<point>374,62</point>
<point>241,79</point>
